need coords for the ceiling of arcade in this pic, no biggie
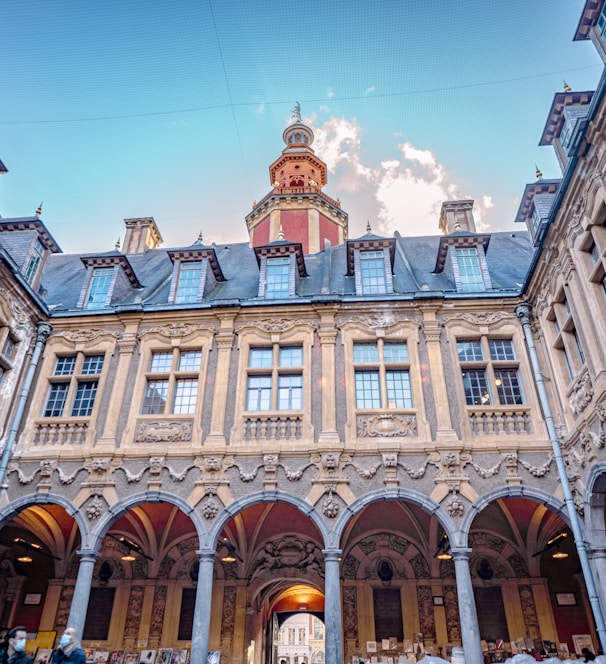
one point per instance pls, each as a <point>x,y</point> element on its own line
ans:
<point>279,547</point>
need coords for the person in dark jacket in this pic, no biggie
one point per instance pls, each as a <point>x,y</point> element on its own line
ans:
<point>14,653</point>
<point>588,655</point>
<point>69,650</point>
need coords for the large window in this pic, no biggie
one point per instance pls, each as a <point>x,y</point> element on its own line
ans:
<point>372,268</point>
<point>275,378</point>
<point>470,270</point>
<point>98,291</point>
<point>7,353</point>
<point>277,279</point>
<point>172,382</point>
<point>382,375</point>
<point>73,385</point>
<point>567,341</point>
<point>188,283</point>
<point>490,372</point>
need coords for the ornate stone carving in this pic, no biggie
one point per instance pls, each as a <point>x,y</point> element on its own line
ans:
<point>486,473</point>
<point>388,425</point>
<point>375,321</point>
<point>173,330</point>
<point>157,431</point>
<point>330,507</point>
<point>581,394</point>
<point>489,318</point>
<point>289,553</point>
<point>277,324</point>
<point>537,471</point>
<point>210,508</point>
<point>455,506</point>
<point>94,509</point>
<point>85,335</point>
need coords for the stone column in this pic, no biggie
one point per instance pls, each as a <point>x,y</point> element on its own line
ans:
<point>77,611</point>
<point>225,342</point>
<point>470,632</point>
<point>328,337</point>
<point>202,610</point>
<point>126,347</point>
<point>432,332</point>
<point>332,607</point>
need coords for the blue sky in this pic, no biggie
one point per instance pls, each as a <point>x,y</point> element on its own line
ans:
<point>129,108</point>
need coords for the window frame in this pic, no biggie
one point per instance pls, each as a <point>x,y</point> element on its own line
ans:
<point>174,378</point>
<point>473,262</point>
<point>269,392</point>
<point>34,262</point>
<point>488,369</point>
<point>91,303</point>
<point>192,286</point>
<point>566,339</point>
<point>75,403</point>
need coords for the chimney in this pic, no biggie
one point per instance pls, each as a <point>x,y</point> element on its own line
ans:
<point>457,216</point>
<point>141,234</point>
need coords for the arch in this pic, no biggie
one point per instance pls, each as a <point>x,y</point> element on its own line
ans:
<point>595,508</point>
<point>274,496</point>
<point>124,505</point>
<point>515,491</point>
<point>40,499</point>
<point>397,494</point>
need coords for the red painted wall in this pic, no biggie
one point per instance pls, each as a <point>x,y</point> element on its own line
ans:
<point>261,233</point>
<point>295,227</point>
<point>328,230</point>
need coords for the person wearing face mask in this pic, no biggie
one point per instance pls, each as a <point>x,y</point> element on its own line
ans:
<point>69,650</point>
<point>14,653</point>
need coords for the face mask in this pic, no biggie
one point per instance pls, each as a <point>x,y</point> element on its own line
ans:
<point>20,645</point>
<point>65,640</point>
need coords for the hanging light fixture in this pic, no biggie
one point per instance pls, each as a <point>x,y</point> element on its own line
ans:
<point>25,558</point>
<point>232,555</point>
<point>443,552</point>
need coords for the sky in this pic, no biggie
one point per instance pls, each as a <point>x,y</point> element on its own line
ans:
<point>115,109</point>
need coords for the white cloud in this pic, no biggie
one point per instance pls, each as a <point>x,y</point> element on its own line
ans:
<point>330,93</point>
<point>369,90</point>
<point>403,193</point>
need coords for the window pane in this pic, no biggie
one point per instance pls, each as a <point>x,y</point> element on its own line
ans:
<point>65,365</point>
<point>476,388</point>
<point>99,287</point>
<point>56,400</point>
<point>290,392</point>
<point>277,278</point>
<point>34,263</point>
<point>260,358</point>
<point>368,394</point>
<point>372,266</point>
<point>258,393</point>
<point>398,389</point>
<point>508,387</point>
<point>469,351</point>
<point>190,360</point>
<point>93,364</point>
<point>291,357</point>
<point>189,281</point>
<point>469,269</point>
<point>161,362</point>
<point>366,353</point>
<point>395,352</point>
<point>501,349</point>
<point>186,393</point>
<point>85,398</point>
<point>9,347</point>
<point>154,401</point>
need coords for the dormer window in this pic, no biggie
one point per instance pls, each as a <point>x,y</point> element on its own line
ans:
<point>470,271</point>
<point>34,263</point>
<point>110,278</point>
<point>370,261</point>
<point>281,265</point>
<point>372,272</point>
<point>188,284</point>
<point>277,277</point>
<point>100,287</point>
<point>196,272</point>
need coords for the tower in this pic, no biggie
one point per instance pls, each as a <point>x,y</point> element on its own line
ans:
<point>296,205</point>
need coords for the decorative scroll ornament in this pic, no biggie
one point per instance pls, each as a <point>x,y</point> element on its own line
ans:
<point>277,325</point>
<point>375,321</point>
<point>85,335</point>
<point>581,394</point>
<point>156,432</point>
<point>388,425</point>
<point>480,318</point>
<point>173,330</point>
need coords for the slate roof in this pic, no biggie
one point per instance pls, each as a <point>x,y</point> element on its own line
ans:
<point>509,256</point>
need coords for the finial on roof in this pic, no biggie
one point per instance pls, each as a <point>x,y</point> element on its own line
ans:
<point>254,204</point>
<point>39,210</point>
<point>538,172</point>
<point>296,112</point>
<point>117,245</point>
<point>281,233</point>
<point>567,88</point>
<point>368,226</point>
<point>200,239</point>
